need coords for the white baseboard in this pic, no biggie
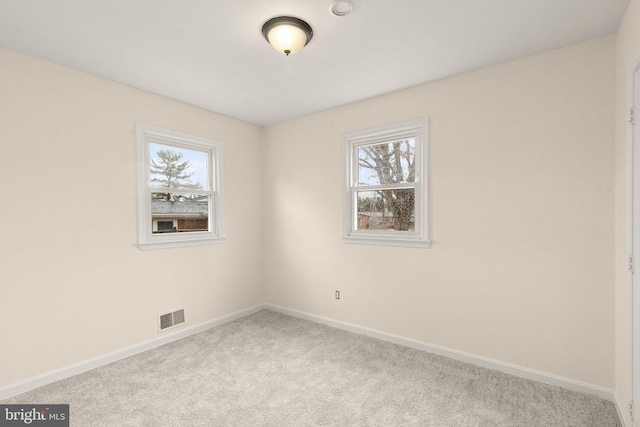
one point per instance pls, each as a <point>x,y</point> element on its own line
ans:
<point>68,371</point>
<point>508,368</point>
<point>622,409</point>
<point>75,369</point>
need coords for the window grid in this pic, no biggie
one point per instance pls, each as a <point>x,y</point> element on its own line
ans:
<point>195,207</point>
<point>407,225</point>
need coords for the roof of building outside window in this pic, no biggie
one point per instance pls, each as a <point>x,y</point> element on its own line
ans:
<point>179,207</point>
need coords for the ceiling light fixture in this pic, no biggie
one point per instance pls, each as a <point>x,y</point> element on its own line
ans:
<point>287,34</point>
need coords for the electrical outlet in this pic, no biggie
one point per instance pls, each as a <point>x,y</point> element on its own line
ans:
<point>337,294</point>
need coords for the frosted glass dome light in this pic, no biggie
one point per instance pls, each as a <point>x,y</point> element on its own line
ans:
<point>286,34</point>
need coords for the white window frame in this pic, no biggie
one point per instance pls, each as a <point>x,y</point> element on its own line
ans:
<point>147,135</point>
<point>418,129</point>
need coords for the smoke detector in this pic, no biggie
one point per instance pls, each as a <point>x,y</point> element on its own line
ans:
<point>341,7</point>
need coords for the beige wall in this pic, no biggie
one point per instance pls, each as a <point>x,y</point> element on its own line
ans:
<point>522,216</point>
<point>522,176</point>
<point>628,55</point>
<point>73,284</point>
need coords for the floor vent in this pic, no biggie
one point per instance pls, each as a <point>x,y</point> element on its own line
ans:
<point>171,320</point>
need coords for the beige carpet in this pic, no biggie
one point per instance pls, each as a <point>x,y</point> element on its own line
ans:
<point>268,369</point>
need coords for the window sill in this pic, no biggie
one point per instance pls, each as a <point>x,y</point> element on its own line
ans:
<point>362,240</point>
<point>179,243</point>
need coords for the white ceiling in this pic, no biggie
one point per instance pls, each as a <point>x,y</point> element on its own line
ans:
<point>211,53</point>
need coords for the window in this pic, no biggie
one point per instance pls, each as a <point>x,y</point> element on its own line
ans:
<point>386,185</point>
<point>179,189</point>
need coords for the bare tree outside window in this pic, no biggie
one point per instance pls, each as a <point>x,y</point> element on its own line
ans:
<point>389,164</point>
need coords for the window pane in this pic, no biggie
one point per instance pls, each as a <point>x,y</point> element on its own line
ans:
<point>185,212</point>
<point>386,210</point>
<point>175,167</point>
<point>165,225</point>
<point>387,163</point>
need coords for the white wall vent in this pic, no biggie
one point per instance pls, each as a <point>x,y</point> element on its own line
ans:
<point>171,320</point>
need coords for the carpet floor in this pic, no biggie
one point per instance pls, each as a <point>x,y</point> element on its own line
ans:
<point>268,369</point>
